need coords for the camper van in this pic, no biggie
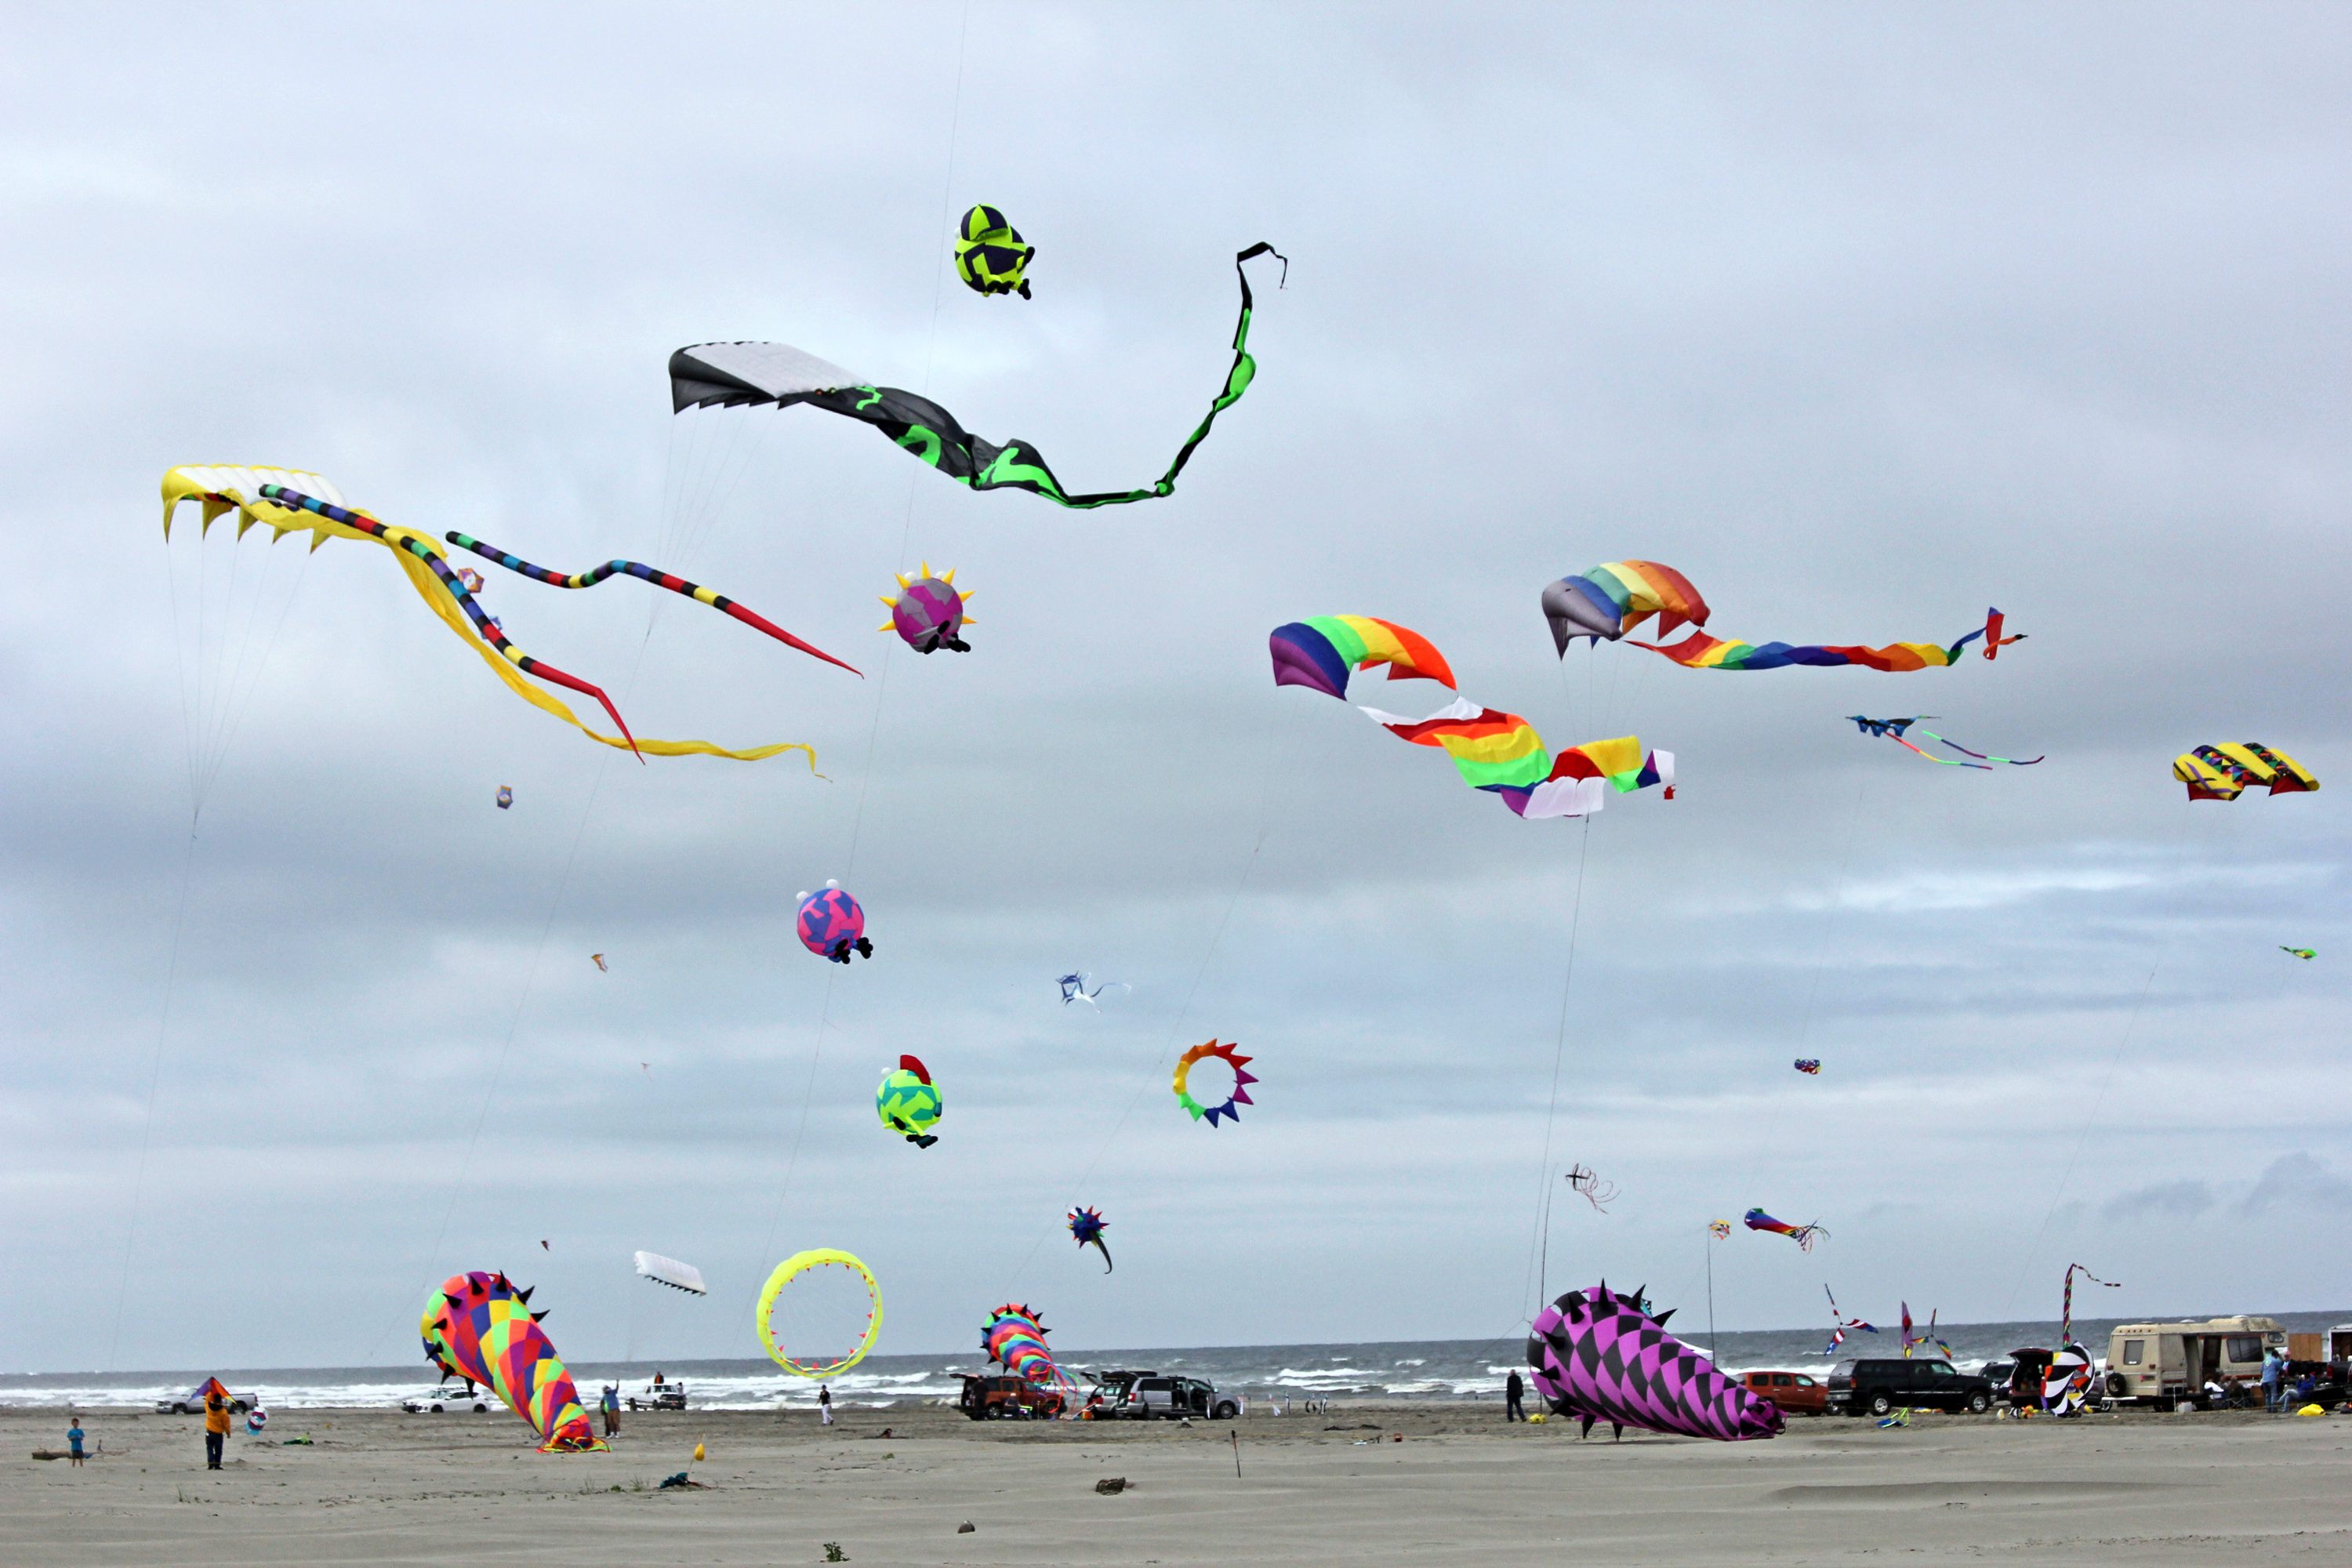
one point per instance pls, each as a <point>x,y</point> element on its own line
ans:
<point>2165,1362</point>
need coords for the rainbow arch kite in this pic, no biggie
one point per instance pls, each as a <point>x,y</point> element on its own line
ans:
<point>1492,750</point>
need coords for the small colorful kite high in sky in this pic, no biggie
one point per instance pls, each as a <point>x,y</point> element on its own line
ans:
<point>2226,772</point>
<point>1230,1054</point>
<point>1892,728</point>
<point>2301,952</point>
<point>1802,1234</point>
<point>1087,1229</point>
<point>991,257</point>
<point>927,615</point>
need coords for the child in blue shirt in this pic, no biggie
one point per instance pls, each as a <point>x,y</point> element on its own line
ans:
<point>73,1438</point>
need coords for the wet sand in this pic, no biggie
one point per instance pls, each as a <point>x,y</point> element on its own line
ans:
<point>1461,1487</point>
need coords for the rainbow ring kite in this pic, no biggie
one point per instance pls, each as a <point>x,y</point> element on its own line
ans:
<point>1231,1053</point>
<point>791,1268</point>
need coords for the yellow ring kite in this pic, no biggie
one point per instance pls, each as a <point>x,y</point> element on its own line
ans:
<point>789,1269</point>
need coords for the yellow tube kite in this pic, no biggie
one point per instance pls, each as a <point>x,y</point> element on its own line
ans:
<point>289,500</point>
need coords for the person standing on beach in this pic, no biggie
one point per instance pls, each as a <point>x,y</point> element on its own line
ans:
<point>824,1404</point>
<point>216,1426</point>
<point>73,1438</point>
<point>2272,1366</point>
<point>1513,1392</point>
<point>611,1405</point>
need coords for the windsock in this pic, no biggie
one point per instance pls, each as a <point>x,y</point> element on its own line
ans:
<point>1015,1339</point>
<point>1602,1356</point>
<point>479,1326</point>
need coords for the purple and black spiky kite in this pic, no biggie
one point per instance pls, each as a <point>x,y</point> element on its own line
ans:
<point>1603,1356</point>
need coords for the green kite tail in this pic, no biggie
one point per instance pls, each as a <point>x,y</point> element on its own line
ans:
<point>729,375</point>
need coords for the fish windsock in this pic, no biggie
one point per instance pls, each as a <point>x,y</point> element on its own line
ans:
<point>479,1326</point>
<point>1599,1355</point>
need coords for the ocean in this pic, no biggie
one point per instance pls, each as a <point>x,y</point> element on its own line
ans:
<point>1403,1369</point>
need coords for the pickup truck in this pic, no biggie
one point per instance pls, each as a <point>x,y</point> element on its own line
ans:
<point>1146,1396</point>
<point>669,1395</point>
<point>192,1404</point>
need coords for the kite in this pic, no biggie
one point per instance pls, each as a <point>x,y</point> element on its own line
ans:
<point>271,497</point>
<point>1595,1191</point>
<point>506,797</point>
<point>1720,1228</point>
<point>929,614</point>
<point>1925,1337</point>
<point>1810,1065</point>
<point>730,374</point>
<point>1610,601</point>
<point>479,1327</point>
<point>669,1271</point>
<point>1839,1325</point>
<point>653,574</point>
<point>1073,989</point>
<point>1015,1339</point>
<point>2304,952</point>
<point>1493,751</point>
<point>2225,772</point>
<point>791,1268</point>
<point>1603,1357</point>
<point>991,257</point>
<point>2066,1381</point>
<point>2066,1307</point>
<point>832,924</point>
<point>471,578</point>
<point>1892,728</point>
<point>1802,1234</point>
<point>598,959</point>
<point>1231,1055</point>
<point>1087,1229</point>
<point>910,1103</point>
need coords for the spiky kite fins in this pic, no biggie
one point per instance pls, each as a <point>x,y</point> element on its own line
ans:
<point>1230,1053</point>
<point>482,1328</point>
<point>929,614</point>
<point>1600,1355</point>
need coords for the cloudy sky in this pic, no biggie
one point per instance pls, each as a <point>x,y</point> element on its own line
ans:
<point>1864,320</point>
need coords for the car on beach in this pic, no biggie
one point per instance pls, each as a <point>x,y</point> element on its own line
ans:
<point>1794,1392</point>
<point>442,1399</point>
<point>1146,1396</point>
<point>1879,1387</point>
<point>665,1396</point>
<point>1007,1399</point>
<point>192,1404</point>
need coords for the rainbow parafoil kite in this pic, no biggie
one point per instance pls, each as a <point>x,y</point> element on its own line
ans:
<point>832,924</point>
<point>991,256</point>
<point>477,1326</point>
<point>1809,1064</point>
<point>1601,1356</point>
<point>927,615</point>
<point>1493,751</point>
<point>734,374</point>
<point>1610,601</point>
<point>1228,1053</point>
<point>2226,772</point>
<point>1015,1340</point>
<point>1892,730</point>
<point>291,501</point>
<point>910,1103</point>
<point>1802,1234</point>
<point>1087,1229</point>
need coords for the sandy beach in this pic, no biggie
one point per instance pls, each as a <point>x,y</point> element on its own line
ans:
<point>1460,1486</point>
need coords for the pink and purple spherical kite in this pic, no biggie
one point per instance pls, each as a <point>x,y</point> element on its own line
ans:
<point>927,615</point>
<point>1603,1356</point>
<point>832,925</point>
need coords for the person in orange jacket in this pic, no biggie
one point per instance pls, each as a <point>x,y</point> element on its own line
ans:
<point>215,1424</point>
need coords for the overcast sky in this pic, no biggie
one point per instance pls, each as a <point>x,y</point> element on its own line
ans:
<point>1864,319</point>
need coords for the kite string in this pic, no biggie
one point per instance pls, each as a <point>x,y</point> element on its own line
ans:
<point>154,1078</point>
<point>1540,1265</point>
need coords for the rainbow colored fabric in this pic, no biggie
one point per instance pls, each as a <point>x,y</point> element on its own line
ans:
<point>1230,1054</point>
<point>1602,1356</point>
<point>479,1326</point>
<point>1492,750</point>
<point>1015,1339</point>
<point>1700,651</point>
<point>1802,1234</point>
<point>2225,772</point>
<point>1612,600</point>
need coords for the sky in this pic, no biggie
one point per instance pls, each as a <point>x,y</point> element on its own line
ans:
<point>1862,318</point>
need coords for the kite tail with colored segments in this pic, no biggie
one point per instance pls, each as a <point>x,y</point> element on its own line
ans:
<point>1700,651</point>
<point>653,574</point>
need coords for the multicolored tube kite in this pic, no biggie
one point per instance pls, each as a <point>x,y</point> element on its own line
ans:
<point>1493,751</point>
<point>1610,601</point>
<point>2225,772</point>
<point>1602,1356</point>
<point>1015,1340</point>
<point>479,1326</point>
<point>1802,1234</point>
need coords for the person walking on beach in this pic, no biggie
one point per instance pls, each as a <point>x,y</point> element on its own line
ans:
<point>2272,1367</point>
<point>1513,1392</point>
<point>73,1440</point>
<point>824,1404</point>
<point>215,1426</point>
<point>611,1405</point>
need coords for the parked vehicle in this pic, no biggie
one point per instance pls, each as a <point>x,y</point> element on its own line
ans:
<point>440,1399</point>
<point>1793,1391</point>
<point>657,1395</point>
<point>1146,1396</point>
<point>1007,1398</point>
<point>1881,1387</point>
<point>192,1403</point>
<point>2167,1362</point>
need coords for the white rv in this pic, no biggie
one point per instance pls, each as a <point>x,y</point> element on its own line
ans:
<point>2165,1363</point>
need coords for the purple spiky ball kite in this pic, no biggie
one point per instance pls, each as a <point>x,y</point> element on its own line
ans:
<point>832,925</point>
<point>1600,1355</point>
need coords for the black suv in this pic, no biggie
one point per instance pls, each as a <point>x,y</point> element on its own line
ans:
<point>1881,1387</point>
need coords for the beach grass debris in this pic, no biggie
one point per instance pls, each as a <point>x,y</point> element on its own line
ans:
<point>833,1553</point>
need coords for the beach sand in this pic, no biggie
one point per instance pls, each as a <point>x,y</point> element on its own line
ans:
<point>1462,1485</point>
